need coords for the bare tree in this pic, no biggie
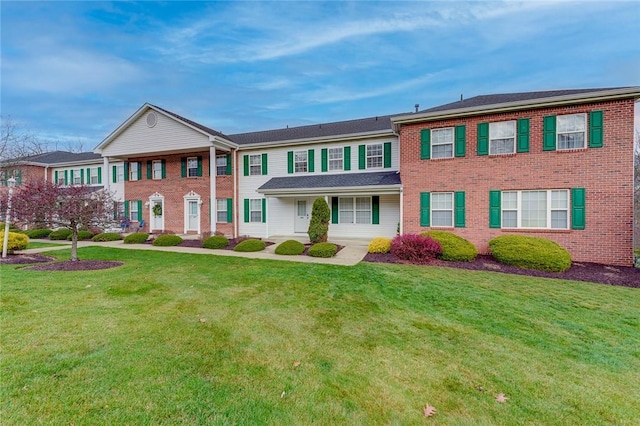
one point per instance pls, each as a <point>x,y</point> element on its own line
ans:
<point>44,204</point>
<point>16,143</point>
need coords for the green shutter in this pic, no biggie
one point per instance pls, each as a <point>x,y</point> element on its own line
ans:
<point>362,157</point>
<point>375,210</point>
<point>71,177</point>
<point>495,213</point>
<point>324,160</point>
<point>19,178</point>
<point>311,165</point>
<point>229,165</point>
<point>425,209</point>
<point>139,210</point>
<point>425,144</point>
<point>578,212</point>
<point>264,210</point>
<point>139,170</point>
<point>66,177</point>
<point>460,146</point>
<point>81,176</point>
<point>199,170</point>
<point>523,135</point>
<point>334,210</point>
<point>55,177</point>
<point>115,210</point>
<point>460,208</point>
<point>114,174</point>
<point>126,209</point>
<point>183,167</point>
<point>289,162</point>
<point>229,210</point>
<point>246,209</point>
<point>99,175</point>
<point>88,176</point>
<point>387,155</point>
<point>163,165</point>
<point>126,171</point>
<point>347,158</point>
<point>265,171</point>
<point>483,138</point>
<point>149,171</point>
<point>245,161</point>
<point>596,129</point>
<point>549,133</point>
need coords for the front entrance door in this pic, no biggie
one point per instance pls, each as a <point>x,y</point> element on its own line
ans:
<point>157,220</point>
<point>302,215</point>
<point>193,221</point>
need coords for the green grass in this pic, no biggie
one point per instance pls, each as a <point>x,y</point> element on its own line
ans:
<point>376,343</point>
<point>38,244</point>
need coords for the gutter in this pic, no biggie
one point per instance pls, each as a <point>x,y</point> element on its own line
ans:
<point>305,141</point>
<point>373,189</point>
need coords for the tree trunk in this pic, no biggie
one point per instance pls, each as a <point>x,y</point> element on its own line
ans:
<point>74,244</point>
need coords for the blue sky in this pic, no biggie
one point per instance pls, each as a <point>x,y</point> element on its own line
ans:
<point>73,71</point>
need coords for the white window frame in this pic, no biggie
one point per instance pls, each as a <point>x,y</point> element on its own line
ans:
<point>221,165</point>
<point>549,209</point>
<point>77,177</point>
<point>60,178</point>
<point>570,131</point>
<point>93,178</point>
<point>133,170</point>
<point>132,210</point>
<point>192,167</point>
<point>255,210</point>
<point>446,208</point>
<point>492,133</point>
<point>120,173</point>
<point>439,141</point>
<point>300,161</point>
<point>375,157</point>
<point>336,159</point>
<point>255,164</point>
<point>156,169</point>
<point>350,205</point>
<point>221,210</point>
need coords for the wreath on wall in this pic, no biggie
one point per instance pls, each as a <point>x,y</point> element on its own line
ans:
<point>157,209</point>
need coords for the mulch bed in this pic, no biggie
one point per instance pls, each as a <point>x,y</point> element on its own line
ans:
<point>47,263</point>
<point>579,271</point>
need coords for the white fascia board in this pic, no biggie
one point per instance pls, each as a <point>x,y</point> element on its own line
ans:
<point>360,190</point>
<point>595,96</point>
<point>322,139</point>
<point>222,144</point>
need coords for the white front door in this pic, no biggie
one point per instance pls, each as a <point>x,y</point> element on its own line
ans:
<point>156,219</point>
<point>302,216</point>
<point>193,220</point>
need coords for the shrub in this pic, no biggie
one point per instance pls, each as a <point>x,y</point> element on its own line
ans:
<point>136,238</point>
<point>530,253</point>
<point>82,235</point>
<point>454,247</point>
<point>167,240</point>
<point>107,236</point>
<point>60,234</point>
<point>216,242</point>
<point>319,224</point>
<point>380,245</point>
<point>250,244</point>
<point>15,242</point>
<point>323,250</point>
<point>415,248</point>
<point>290,248</point>
<point>38,233</point>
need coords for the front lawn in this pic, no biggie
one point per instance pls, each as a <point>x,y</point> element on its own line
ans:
<point>173,338</point>
<point>40,244</point>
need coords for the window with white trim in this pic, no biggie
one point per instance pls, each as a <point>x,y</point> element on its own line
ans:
<point>502,137</point>
<point>300,161</point>
<point>120,173</point>
<point>544,209</point>
<point>255,210</point>
<point>221,210</point>
<point>133,170</point>
<point>60,178</point>
<point>442,209</point>
<point>93,175</point>
<point>336,159</point>
<point>133,210</point>
<point>77,177</point>
<point>354,210</point>
<point>571,131</point>
<point>442,143</point>
<point>156,167</point>
<point>119,206</point>
<point>192,167</point>
<point>255,165</point>
<point>221,165</point>
<point>374,156</point>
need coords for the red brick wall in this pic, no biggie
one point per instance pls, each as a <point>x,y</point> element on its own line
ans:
<point>175,187</point>
<point>606,174</point>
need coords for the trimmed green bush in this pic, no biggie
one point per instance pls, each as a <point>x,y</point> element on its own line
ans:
<point>82,235</point>
<point>379,245</point>
<point>167,240</point>
<point>16,241</point>
<point>454,247</point>
<point>107,236</point>
<point>323,250</point>
<point>38,233</point>
<point>290,248</point>
<point>250,245</point>
<point>136,238</point>
<point>60,234</point>
<point>216,242</point>
<point>530,253</point>
<point>319,223</point>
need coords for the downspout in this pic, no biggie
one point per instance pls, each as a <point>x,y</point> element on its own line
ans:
<point>236,212</point>
<point>213,205</point>
<point>396,131</point>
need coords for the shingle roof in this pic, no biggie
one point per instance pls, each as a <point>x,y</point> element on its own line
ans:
<point>56,157</point>
<point>333,181</point>
<point>362,125</point>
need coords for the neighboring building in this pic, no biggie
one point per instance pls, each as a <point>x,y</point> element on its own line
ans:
<point>556,164</point>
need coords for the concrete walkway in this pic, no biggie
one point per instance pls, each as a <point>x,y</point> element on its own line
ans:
<point>352,253</point>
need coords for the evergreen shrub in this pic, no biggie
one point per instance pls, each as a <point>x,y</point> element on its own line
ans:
<point>319,223</point>
<point>250,245</point>
<point>415,248</point>
<point>107,236</point>
<point>60,234</point>
<point>530,253</point>
<point>15,242</point>
<point>136,238</point>
<point>216,242</point>
<point>323,250</point>
<point>290,248</point>
<point>38,233</point>
<point>167,240</point>
<point>454,247</point>
<point>380,245</point>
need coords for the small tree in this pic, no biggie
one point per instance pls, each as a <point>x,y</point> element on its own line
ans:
<point>319,224</point>
<point>43,203</point>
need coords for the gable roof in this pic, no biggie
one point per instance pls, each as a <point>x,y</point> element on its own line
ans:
<point>517,101</point>
<point>59,158</point>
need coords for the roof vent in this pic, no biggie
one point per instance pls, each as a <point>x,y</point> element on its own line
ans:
<point>417,107</point>
<point>152,119</point>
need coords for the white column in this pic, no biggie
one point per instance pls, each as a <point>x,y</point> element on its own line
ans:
<point>401,211</point>
<point>212,192</point>
<point>106,174</point>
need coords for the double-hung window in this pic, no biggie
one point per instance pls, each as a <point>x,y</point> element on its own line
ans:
<point>546,209</point>
<point>156,167</point>
<point>502,137</point>
<point>354,210</point>
<point>93,176</point>
<point>133,210</point>
<point>374,156</point>
<point>120,173</point>
<point>77,177</point>
<point>221,165</point>
<point>192,167</point>
<point>61,178</point>
<point>336,158</point>
<point>300,161</point>
<point>221,209</point>
<point>442,143</point>
<point>255,165</point>
<point>442,209</point>
<point>134,170</point>
<point>571,131</point>
<point>255,210</point>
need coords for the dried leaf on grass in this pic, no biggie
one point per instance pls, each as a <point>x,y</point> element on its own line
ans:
<point>202,320</point>
<point>296,364</point>
<point>429,410</point>
<point>501,398</point>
